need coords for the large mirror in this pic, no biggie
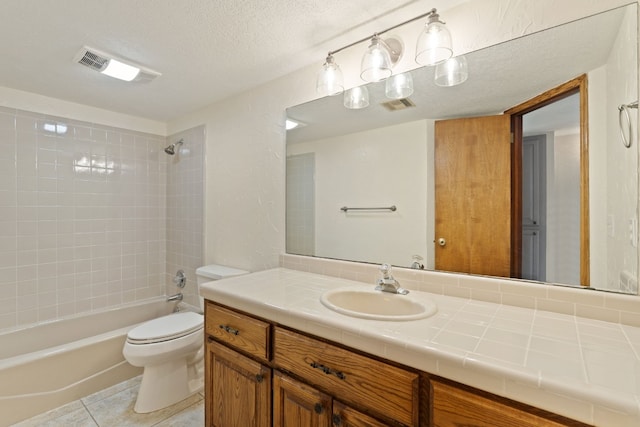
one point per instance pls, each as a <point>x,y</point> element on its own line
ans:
<point>574,198</point>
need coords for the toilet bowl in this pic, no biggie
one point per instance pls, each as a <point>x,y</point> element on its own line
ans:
<point>171,351</point>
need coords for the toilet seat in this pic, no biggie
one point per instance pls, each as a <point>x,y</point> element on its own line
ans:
<point>166,328</point>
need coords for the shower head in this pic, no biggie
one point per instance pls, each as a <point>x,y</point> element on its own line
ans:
<point>171,150</point>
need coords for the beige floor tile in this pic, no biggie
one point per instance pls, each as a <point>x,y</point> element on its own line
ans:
<point>108,392</point>
<point>117,410</point>
<point>113,407</point>
<point>73,414</point>
<point>193,416</point>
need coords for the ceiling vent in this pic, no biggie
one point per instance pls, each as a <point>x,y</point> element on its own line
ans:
<point>398,104</point>
<point>98,61</point>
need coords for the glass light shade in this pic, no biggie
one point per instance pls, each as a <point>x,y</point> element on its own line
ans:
<point>376,63</point>
<point>452,72</point>
<point>330,81</point>
<point>399,86</point>
<point>356,98</point>
<point>434,43</point>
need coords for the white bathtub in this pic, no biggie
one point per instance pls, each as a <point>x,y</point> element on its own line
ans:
<point>51,364</point>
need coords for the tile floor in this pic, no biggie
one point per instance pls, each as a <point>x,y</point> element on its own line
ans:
<point>113,407</point>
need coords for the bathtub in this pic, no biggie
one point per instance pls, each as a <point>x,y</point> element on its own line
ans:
<point>51,364</point>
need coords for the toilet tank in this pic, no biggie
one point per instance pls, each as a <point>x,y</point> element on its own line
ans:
<point>212,272</point>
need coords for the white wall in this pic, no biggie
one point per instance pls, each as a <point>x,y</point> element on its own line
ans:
<point>41,104</point>
<point>379,167</point>
<point>622,194</point>
<point>564,210</point>
<point>598,219</point>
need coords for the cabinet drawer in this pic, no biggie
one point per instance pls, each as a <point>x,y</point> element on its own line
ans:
<point>387,390</point>
<point>239,331</point>
<point>453,406</point>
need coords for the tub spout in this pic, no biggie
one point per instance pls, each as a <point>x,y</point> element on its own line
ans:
<point>176,297</point>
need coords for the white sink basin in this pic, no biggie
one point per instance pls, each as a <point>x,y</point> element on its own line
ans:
<point>377,305</point>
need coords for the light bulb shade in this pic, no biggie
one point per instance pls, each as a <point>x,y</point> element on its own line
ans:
<point>399,86</point>
<point>330,81</point>
<point>356,98</point>
<point>376,63</point>
<point>434,43</point>
<point>452,72</point>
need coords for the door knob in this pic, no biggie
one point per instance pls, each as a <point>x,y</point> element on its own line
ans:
<point>442,242</point>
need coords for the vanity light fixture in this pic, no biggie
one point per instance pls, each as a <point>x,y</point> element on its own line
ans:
<point>434,42</point>
<point>434,45</point>
<point>330,81</point>
<point>356,98</point>
<point>376,62</point>
<point>451,72</point>
<point>399,86</point>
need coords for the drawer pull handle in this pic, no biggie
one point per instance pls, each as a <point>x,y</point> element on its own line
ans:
<point>336,420</point>
<point>230,329</point>
<point>327,370</point>
<point>259,378</point>
<point>318,408</point>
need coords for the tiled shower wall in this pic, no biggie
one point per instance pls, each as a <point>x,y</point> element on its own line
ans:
<point>82,217</point>
<point>185,210</point>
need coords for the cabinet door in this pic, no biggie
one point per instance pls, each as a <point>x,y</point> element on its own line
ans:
<point>297,405</point>
<point>386,390</point>
<point>238,392</point>
<point>344,416</point>
<point>455,407</point>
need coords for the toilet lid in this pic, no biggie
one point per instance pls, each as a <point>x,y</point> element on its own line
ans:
<point>166,328</point>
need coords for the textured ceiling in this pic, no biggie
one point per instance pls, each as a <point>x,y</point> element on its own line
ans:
<point>206,50</point>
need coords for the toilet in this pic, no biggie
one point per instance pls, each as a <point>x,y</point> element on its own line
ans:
<point>171,351</point>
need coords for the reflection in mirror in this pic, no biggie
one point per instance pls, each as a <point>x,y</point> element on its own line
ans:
<point>384,156</point>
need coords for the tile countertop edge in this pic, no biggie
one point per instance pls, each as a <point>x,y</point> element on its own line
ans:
<point>628,405</point>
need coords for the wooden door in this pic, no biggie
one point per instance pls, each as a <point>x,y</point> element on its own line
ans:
<point>473,195</point>
<point>296,404</point>
<point>239,393</point>
<point>534,208</point>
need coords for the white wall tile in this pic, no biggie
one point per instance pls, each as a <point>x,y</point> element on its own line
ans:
<point>62,203</point>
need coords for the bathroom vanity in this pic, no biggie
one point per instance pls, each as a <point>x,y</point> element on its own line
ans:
<point>275,353</point>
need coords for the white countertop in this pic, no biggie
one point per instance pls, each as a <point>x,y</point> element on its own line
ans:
<point>584,369</point>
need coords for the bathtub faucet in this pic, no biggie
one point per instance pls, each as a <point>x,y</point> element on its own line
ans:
<point>176,297</point>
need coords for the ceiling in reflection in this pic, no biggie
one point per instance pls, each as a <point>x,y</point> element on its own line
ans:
<point>492,86</point>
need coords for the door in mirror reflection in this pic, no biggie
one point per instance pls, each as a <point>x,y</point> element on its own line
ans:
<point>473,195</point>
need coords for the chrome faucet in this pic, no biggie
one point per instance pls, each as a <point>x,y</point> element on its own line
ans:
<point>387,283</point>
<point>176,297</point>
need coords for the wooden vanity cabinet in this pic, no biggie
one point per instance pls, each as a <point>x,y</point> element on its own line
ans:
<point>260,374</point>
<point>345,416</point>
<point>454,405</point>
<point>249,403</point>
<point>296,404</point>
<point>238,350</point>
<point>382,389</point>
